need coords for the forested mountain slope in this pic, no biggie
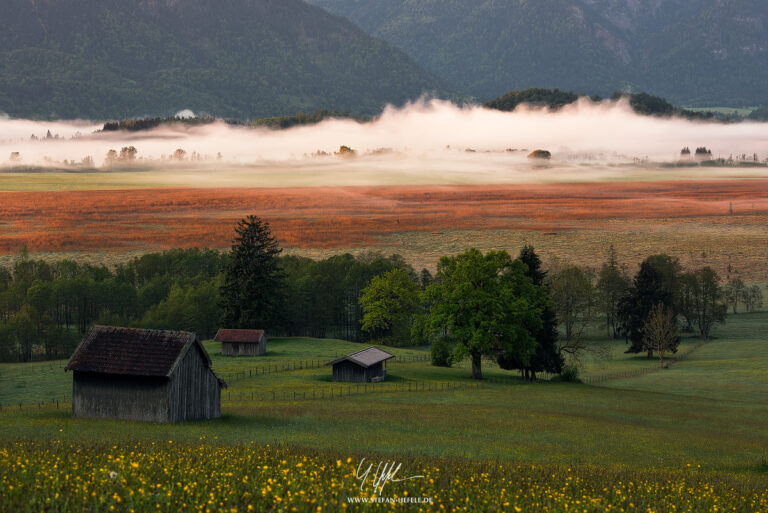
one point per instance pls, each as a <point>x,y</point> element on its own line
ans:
<point>232,58</point>
<point>692,52</point>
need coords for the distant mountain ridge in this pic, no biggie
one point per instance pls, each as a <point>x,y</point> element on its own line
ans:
<point>692,52</point>
<point>113,59</point>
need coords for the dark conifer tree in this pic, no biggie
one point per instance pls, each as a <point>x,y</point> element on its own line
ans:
<point>648,290</point>
<point>254,282</point>
<point>547,357</point>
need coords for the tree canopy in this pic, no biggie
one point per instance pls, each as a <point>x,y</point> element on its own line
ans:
<point>487,304</point>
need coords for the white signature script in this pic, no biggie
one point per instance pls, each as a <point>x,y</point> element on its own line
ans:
<point>385,472</point>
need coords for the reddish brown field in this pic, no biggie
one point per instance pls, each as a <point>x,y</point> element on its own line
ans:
<point>686,216</point>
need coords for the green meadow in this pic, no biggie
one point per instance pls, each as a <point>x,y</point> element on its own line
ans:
<point>703,417</point>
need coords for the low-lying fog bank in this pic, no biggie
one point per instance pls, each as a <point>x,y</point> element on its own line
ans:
<point>422,143</point>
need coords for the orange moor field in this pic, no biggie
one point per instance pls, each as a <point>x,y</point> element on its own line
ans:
<point>721,223</point>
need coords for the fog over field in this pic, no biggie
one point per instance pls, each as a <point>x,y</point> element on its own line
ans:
<point>429,141</point>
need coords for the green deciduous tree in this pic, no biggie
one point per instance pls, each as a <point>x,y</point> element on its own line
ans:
<point>612,285</point>
<point>735,292</point>
<point>708,305</point>
<point>389,304</point>
<point>573,298</point>
<point>753,298</point>
<point>486,304</point>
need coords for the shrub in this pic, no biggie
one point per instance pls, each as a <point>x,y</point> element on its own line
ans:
<point>570,374</point>
<point>441,353</point>
<point>540,154</point>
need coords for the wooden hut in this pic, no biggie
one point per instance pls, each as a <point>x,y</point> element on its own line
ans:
<point>366,365</point>
<point>242,342</point>
<point>143,375</point>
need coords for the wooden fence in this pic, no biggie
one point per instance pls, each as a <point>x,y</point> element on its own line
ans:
<point>297,365</point>
<point>349,390</point>
<point>645,370</point>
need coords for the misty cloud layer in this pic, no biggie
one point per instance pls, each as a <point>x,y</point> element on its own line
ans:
<point>425,142</point>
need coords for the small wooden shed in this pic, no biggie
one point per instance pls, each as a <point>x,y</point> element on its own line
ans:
<point>370,364</point>
<point>143,375</point>
<point>242,342</point>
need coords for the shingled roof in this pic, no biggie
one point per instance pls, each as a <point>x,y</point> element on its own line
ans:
<point>366,357</point>
<point>133,352</point>
<point>239,336</point>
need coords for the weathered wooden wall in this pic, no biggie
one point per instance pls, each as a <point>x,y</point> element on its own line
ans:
<point>192,392</point>
<point>120,397</point>
<point>195,391</point>
<point>349,371</point>
<point>244,348</point>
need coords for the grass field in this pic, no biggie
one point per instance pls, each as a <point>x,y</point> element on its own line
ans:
<point>692,436</point>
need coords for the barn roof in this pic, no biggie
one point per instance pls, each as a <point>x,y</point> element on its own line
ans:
<point>134,352</point>
<point>366,357</point>
<point>240,336</point>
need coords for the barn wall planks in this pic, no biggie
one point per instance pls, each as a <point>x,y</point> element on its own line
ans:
<point>244,348</point>
<point>192,392</point>
<point>352,372</point>
<point>121,397</point>
<point>195,391</point>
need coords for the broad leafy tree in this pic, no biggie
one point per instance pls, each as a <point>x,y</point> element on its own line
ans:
<point>612,286</point>
<point>251,296</point>
<point>708,305</point>
<point>487,304</point>
<point>735,292</point>
<point>389,304</point>
<point>573,294</point>
<point>753,298</point>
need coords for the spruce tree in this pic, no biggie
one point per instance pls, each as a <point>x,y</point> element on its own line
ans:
<point>254,282</point>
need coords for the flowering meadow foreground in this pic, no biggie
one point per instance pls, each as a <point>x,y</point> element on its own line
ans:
<point>631,438</point>
<point>170,476</point>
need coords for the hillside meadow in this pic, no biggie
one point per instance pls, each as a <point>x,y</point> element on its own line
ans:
<point>664,440</point>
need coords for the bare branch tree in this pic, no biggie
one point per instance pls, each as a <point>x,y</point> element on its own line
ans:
<point>660,332</point>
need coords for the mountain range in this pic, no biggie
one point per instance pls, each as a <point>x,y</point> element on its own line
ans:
<point>106,59</point>
<point>246,59</point>
<point>693,52</point>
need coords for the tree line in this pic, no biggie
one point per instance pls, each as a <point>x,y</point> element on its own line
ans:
<point>46,307</point>
<point>475,306</point>
<point>478,305</point>
<point>534,320</point>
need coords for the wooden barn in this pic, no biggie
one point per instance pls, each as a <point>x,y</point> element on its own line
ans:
<point>367,365</point>
<point>143,375</point>
<point>242,342</point>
